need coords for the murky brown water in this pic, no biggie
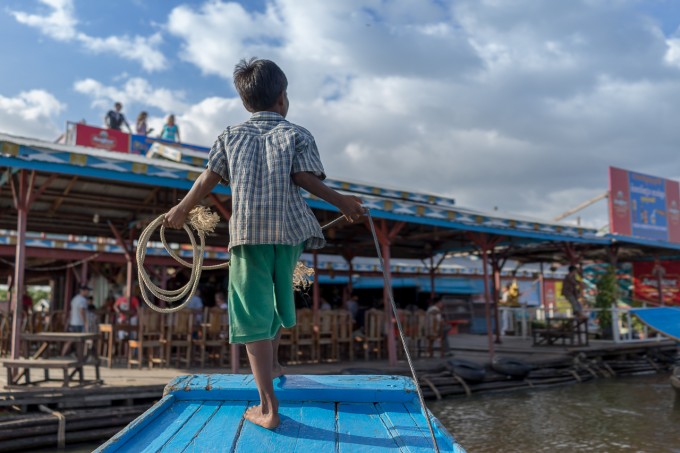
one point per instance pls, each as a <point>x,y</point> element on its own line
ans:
<point>633,414</point>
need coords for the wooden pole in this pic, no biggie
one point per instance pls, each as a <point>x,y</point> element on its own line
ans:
<point>389,330</point>
<point>316,291</point>
<point>487,300</point>
<point>19,262</point>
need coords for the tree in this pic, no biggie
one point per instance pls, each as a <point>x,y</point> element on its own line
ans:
<point>606,300</point>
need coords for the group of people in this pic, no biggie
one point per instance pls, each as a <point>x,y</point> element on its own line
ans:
<point>115,119</point>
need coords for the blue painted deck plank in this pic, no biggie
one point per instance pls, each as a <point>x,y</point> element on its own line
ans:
<point>360,429</point>
<point>156,434</point>
<point>191,428</point>
<point>284,438</point>
<point>137,425</point>
<point>318,431</point>
<point>445,439</point>
<point>357,389</point>
<point>404,429</point>
<point>220,431</point>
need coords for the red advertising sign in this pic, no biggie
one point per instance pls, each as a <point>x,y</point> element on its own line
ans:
<point>648,275</point>
<point>550,295</point>
<point>108,139</point>
<point>644,206</point>
<point>619,202</point>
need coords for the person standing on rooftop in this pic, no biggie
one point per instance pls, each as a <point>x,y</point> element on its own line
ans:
<point>115,119</point>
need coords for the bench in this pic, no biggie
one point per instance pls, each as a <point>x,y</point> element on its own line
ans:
<point>572,330</point>
<point>46,365</point>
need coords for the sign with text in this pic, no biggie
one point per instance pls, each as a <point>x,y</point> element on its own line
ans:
<point>649,276</point>
<point>108,139</point>
<point>643,206</point>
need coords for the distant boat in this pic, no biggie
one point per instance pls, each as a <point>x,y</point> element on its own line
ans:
<point>368,413</point>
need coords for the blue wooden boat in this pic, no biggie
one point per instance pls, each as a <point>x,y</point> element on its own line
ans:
<point>366,413</point>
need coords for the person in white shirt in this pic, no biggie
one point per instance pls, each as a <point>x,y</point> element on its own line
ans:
<point>78,315</point>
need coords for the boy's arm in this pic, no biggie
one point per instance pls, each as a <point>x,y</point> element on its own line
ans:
<point>349,205</point>
<point>205,183</point>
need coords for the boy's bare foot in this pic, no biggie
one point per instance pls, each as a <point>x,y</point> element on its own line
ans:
<point>269,420</point>
<point>278,371</point>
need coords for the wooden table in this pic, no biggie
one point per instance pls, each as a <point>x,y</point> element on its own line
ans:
<point>70,366</point>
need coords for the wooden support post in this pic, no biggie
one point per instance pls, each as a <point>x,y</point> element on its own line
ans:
<point>385,239</point>
<point>486,245</point>
<point>487,301</point>
<point>316,291</point>
<point>496,294</point>
<point>23,193</point>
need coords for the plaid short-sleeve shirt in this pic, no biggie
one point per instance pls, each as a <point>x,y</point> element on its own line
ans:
<point>257,159</point>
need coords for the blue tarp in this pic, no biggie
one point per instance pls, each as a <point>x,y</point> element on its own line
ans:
<point>378,282</point>
<point>444,285</point>
<point>665,320</point>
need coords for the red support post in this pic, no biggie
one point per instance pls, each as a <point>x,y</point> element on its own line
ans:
<point>21,199</point>
<point>316,291</point>
<point>496,295</point>
<point>487,300</point>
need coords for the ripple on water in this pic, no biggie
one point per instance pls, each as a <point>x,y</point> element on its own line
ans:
<point>636,414</point>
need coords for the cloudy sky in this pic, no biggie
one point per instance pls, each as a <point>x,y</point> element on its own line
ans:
<point>515,104</point>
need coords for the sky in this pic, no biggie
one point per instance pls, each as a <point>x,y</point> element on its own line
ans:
<point>518,106</point>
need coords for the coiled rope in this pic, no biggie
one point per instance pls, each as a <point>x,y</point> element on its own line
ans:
<point>203,221</point>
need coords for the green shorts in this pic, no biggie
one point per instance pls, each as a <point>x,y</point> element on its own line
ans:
<point>261,290</point>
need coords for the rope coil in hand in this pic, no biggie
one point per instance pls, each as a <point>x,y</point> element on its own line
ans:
<point>203,221</point>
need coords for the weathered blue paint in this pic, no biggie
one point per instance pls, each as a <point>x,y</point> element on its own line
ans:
<point>318,414</point>
<point>665,320</point>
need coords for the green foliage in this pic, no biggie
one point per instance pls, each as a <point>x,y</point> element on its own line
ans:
<point>606,297</point>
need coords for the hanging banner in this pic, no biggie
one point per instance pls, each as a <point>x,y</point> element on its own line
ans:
<point>95,137</point>
<point>644,206</point>
<point>648,276</point>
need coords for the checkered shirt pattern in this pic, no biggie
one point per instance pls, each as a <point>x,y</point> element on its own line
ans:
<point>257,159</point>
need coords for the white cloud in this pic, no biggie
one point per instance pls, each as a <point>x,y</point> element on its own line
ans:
<point>521,105</point>
<point>134,92</point>
<point>31,113</point>
<point>60,23</point>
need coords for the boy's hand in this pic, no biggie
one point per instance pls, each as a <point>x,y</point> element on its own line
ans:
<point>176,217</point>
<point>351,207</point>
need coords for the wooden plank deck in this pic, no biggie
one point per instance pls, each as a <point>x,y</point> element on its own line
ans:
<point>318,413</point>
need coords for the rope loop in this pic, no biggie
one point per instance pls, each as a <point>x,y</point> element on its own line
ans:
<point>202,221</point>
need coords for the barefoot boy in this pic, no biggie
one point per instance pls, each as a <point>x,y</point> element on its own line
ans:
<point>265,160</point>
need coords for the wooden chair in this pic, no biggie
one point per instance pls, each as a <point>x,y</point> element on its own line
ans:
<point>5,334</point>
<point>179,336</point>
<point>373,329</point>
<point>56,321</point>
<point>305,337</point>
<point>212,343</point>
<point>287,346</point>
<point>405,320</point>
<point>150,339</point>
<point>418,332</point>
<point>327,335</point>
<point>344,340</point>
<point>433,329</point>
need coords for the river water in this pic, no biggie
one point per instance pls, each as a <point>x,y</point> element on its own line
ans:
<point>631,414</point>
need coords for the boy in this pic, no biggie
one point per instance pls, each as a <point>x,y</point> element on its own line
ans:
<point>265,160</point>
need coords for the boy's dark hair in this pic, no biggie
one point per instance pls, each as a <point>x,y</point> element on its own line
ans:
<point>572,268</point>
<point>259,83</point>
